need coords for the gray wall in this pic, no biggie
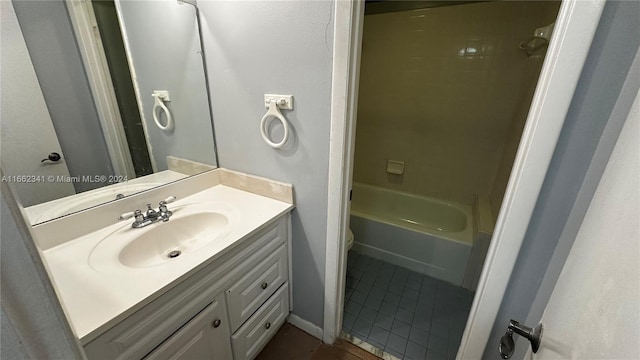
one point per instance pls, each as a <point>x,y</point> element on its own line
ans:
<point>24,115</point>
<point>11,347</point>
<point>49,36</point>
<point>33,324</point>
<point>262,47</point>
<point>607,67</point>
<point>164,44</point>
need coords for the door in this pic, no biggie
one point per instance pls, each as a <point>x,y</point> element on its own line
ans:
<point>593,310</point>
<point>23,113</point>
<point>598,290</point>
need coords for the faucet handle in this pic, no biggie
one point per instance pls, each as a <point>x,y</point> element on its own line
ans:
<point>129,215</point>
<point>163,205</point>
<point>126,216</point>
<point>170,199</point>
<point>139,216</point>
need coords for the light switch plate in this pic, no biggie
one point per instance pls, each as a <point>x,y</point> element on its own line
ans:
<point>284,101</point>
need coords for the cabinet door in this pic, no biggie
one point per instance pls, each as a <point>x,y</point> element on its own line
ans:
<point>206,336</point>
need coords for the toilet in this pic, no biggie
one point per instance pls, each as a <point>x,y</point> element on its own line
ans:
<point>349,240</point>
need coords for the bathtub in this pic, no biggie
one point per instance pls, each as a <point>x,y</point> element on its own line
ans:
<point>426,235</point>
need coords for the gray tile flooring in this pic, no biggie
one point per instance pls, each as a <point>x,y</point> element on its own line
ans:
<point>409,315</point>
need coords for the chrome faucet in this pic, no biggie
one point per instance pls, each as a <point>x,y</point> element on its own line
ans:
<point>151,216</point>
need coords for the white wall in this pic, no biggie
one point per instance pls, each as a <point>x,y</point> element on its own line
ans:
<point>282,47</point>
<point>594,310</point>
<point>163,44</point>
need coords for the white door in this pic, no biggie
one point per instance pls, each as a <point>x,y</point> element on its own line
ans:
<point>27,133</point>
<point>594,310</point>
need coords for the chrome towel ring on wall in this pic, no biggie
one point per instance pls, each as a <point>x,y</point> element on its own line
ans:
<point>160,96</point>
<point>274,103</point>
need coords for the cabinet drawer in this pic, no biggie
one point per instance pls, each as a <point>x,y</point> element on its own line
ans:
<point>258,330</point>
<point>206,336</point>
<point>252,290</point>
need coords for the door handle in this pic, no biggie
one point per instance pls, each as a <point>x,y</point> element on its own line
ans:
<point>507,345</point>
<point>53,157</point>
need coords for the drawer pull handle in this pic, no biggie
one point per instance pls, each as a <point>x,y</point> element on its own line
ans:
<point>264,285</point>
<point>267,325</point>
<point>216,323</point>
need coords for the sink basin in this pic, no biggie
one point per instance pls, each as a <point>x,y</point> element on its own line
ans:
<point>166,241</point>
<point>192,227</point>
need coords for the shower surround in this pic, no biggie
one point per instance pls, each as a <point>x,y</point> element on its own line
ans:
<point>447,91</point>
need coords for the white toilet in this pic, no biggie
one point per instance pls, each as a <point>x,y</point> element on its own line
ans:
<point>349,240</point>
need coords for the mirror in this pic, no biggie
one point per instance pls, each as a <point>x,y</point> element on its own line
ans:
<point>101,99</point>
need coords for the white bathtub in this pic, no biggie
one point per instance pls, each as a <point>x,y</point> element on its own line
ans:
<point>426,235</point>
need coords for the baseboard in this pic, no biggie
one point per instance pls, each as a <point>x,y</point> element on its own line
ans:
<point>304,325</point>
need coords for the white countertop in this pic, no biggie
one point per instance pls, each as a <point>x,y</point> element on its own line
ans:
<point>95,300</point>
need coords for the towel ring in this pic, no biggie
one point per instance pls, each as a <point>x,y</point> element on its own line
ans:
<point>158,107</point>
<point>273,112</point>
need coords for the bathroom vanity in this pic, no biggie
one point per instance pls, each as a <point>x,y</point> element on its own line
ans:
<point>236,302</point>
<point>223,296</point>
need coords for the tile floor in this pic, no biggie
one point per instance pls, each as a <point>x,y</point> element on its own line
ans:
<point>404,313</point>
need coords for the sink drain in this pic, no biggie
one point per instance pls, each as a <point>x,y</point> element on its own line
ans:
<point>174,254</point>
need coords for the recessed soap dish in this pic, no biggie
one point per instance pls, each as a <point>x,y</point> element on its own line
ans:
<point>395,167</point>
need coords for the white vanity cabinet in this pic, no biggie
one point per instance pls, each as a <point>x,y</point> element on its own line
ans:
<point>226,309</point>
<point>206,336</point>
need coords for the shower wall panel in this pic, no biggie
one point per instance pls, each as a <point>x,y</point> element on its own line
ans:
<point>446,90</point>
